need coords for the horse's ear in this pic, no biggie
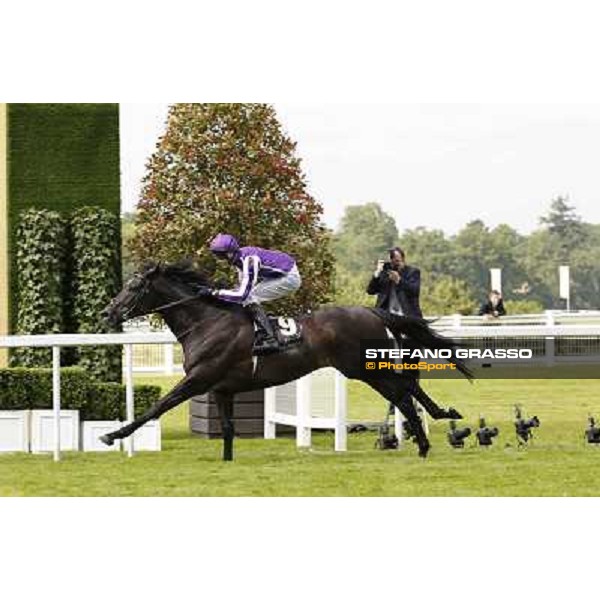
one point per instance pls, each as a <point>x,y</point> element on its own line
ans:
<point>150,268</point>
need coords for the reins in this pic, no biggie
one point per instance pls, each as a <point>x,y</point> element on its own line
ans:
<point>142,293</point>
<point>176,303</point>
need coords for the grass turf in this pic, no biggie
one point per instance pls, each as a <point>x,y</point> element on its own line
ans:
<point>557,463</point>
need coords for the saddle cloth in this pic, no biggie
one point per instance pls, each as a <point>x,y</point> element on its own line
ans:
<point>287,330</point>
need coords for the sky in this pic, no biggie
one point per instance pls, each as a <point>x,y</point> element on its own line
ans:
<point>433,165</point>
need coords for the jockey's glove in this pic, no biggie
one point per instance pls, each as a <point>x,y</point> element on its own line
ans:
<point>206,291</point>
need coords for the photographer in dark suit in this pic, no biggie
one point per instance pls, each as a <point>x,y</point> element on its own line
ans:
<point>397,285</point>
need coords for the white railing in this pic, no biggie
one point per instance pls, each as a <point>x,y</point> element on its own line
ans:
<point>549,317</point>
<point>167,358</point>
<point>58,341</point>
<point>315,401</point>
<point>496,329</point>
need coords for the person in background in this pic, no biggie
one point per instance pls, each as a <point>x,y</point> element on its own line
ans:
<point>397,285</point>
<point>493,307</point>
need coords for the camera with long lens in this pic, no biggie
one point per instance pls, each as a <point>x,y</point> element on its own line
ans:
<point>485,435</point>
<point>524,427</point>
<point>592,433</point>
<point>456,436</point>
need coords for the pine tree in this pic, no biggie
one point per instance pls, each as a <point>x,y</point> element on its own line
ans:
<point>565,226</point>
<point>231,168</point>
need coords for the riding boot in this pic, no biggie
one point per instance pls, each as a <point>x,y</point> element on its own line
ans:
<point>267,342</point>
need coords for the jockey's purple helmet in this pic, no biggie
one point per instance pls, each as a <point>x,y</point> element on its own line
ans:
<point>224,243</point>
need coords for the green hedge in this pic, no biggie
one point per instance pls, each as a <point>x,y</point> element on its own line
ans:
<point>22,389</point>
<point>96,280</point>
<point>41,252</point>
<point>109,399</point>
<point>67,272</point>
<point>60,157</point>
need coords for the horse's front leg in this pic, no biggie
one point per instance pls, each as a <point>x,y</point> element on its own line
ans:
<point>225,406</point>
<point>190,386</point>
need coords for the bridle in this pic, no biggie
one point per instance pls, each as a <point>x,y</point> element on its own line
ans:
<point>126,315</point>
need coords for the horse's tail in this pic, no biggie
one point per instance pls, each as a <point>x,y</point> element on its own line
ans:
<point>419,331</point>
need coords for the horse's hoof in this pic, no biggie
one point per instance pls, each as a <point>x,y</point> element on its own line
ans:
<point>424,450</point>
<point>454,414</point>
<point>106,439</point>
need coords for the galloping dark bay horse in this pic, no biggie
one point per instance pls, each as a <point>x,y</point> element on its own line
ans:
<point>217,340</point>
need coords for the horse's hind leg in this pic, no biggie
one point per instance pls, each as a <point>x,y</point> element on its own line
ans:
<point>434,410</point>
<point>225,406</point>
<point>398,391</point>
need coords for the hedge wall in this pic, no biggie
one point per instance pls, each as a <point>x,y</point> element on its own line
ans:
<point>60,157</point>
<point>96,279</point>
<point>22,389</point>
<point>41,251</point>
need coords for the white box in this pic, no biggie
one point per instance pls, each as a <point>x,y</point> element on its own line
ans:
<point>91,432</point>
<point>42,430</point>
<point>14,430</point>
<point>147,437</point>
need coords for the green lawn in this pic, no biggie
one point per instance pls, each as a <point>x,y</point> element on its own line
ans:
<point>557,463</point>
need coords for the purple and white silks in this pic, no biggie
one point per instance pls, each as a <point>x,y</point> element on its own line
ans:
<point>263,275</point>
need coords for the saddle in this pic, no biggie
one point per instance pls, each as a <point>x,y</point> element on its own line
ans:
<point>288,332</point>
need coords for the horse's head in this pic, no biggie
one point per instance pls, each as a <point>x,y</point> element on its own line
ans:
<point>135,299</point>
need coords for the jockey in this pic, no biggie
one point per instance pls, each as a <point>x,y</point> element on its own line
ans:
<point>264,275</point>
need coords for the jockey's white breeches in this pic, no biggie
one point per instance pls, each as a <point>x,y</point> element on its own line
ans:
<point>272,289</point>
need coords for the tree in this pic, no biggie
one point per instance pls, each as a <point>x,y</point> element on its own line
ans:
<point>473,255</point>
<point>565,226</point>
<point>231,168</point>
<point>523,307</point>
<point>585,270</point>
<point>127,235</point>
<point>540,259</point>
<point>366,234</point>
<point>350,289</point>
<point>429,250</point>
<point>446,296</point>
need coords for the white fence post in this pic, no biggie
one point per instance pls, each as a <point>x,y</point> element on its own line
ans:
<point>398,421</point>
<point>130,407</point>
<point>270,407</point>
<point>341,432</point>
<point>169,355</point>
<point>303,408</point>
<point>56,399</point>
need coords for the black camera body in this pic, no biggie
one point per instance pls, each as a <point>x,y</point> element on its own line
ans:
<point>523,426</point>
<point>592,433</point>
<point>456,437</point>
<point>387,269</point>
<point>386,440</point>
<point>485,435</point>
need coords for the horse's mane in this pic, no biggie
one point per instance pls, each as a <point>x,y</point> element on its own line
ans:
<point>184,272</point>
